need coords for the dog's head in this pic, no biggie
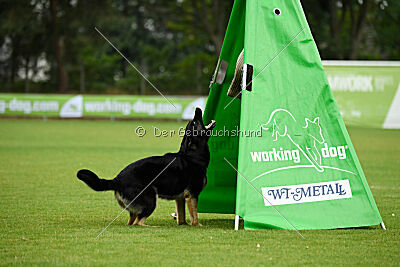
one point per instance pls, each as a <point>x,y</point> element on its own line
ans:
<point>196,134</point>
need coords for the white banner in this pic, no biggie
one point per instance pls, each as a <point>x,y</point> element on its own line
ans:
<point>293,194</point>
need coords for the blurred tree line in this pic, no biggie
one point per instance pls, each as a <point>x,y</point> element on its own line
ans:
<point>52,45</point>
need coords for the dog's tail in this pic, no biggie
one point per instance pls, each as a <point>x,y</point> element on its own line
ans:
<point>94,182</point>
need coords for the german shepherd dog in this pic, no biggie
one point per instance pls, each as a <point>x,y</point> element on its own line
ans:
<point>177,176</point>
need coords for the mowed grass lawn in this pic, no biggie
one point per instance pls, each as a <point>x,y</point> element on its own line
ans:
<point>49,217</point>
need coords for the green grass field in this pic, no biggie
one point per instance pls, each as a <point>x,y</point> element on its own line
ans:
<point>48,217</point>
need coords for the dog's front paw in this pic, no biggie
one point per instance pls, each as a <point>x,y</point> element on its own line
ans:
<point>196,224</point>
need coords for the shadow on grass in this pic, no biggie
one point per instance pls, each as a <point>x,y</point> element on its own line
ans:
<point>165,222</point>
<point>375,227</point>
<point>226,224</point>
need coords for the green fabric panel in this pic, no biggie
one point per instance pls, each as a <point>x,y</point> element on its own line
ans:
<point>220,192</point>
<point>292,100</point>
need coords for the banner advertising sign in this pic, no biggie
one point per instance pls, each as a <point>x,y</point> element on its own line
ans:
<point>70,106</point>
<point>367,92</point>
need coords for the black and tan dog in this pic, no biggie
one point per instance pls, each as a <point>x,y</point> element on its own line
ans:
<point>184,178</point>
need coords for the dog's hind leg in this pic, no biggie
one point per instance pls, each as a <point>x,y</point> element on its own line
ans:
<point>140,221</point>
<point>180,210</point>
<point>132,218</point>
<point>145,205</point>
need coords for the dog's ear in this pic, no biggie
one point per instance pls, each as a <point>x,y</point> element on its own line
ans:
<point>198,114</point>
